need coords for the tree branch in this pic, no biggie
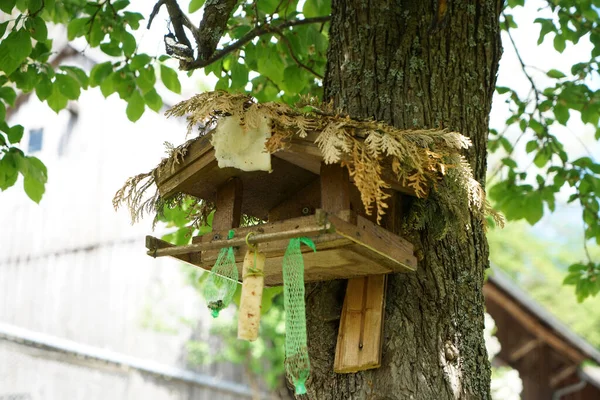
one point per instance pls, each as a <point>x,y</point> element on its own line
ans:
<point>178,19</point>
<point>257,31</point>
<point>213,25</point>
<point>300,64</point>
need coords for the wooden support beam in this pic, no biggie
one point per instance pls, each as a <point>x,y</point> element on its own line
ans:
<point>359,336</point>
<point>562,374</point>
<point>228,213</point>
<point>525,348</point>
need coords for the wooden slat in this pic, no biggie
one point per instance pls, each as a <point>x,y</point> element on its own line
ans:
<point>335,188</point>
<point>524,349</point>
<point>378,241</point>
<point>562,374</point>
<point>228,211</point>
<point>361,326</point>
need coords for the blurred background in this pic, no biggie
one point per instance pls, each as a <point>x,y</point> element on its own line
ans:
<point>85,313</point>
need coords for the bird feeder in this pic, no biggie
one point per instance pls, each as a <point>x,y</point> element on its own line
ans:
<point>300,197</point>
<point>308,178</point>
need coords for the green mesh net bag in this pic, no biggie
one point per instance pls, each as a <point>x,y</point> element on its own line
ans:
<point>297,364</point>
<point>222,282</point>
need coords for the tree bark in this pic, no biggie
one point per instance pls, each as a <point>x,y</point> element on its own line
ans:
<point>402,63</point>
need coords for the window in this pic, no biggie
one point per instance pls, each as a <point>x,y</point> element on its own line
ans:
<point>36,137</point>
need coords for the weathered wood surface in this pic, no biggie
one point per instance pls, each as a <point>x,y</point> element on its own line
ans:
<point>295,167</point>
<point>340,254</point>
<point>361,325</point>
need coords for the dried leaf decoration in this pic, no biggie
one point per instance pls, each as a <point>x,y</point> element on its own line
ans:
<point>377,155</point>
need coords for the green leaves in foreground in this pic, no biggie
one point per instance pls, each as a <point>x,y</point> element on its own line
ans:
<point>585,278</point>
<point>35,175</point>
<point>525,186</point>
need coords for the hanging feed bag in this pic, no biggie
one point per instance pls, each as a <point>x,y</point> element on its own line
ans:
<point>222,282</point>
<point>297,364</point>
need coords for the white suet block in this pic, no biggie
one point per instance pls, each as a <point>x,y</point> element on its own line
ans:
<point>242,147</point>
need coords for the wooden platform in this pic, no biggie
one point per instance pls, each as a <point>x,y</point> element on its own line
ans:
<point>346,249</point>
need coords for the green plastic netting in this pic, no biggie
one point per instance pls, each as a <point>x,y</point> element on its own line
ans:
<point>297,364</point>
<point>222,282</point>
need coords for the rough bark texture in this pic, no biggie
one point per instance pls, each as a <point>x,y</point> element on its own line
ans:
<point>386,62</point>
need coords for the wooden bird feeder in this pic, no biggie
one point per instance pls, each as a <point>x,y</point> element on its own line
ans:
<point>301,196</point>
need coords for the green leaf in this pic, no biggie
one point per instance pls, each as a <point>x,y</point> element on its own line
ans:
<point>7,5</point>
<point>34,188</point>
<point>170,79</point>
<point>112,49</point>
<point>561,113</point>
<point>195,5</point>
<point>139,61</point>
<point>68,86</point>
<point>239,76</point>
<point>9,171</point>
<point>534,208</point>
<point>26,79</point>
<point>44,88</point>
<point>15,134</point>
<point>97,34</point>
<point>554,73</point>
<point>8,94</point>
<point>120,4</point>
<point>129,44</point>
<point>133,19</point>
<point>37,28</point>
<point>78,74</point>
<point>107,87</point>
<point>34,5</point>
<point>153,100</point>
<point>77,27</point>
<point>14,50</point>
<point>293,79</point>
<point>56,100</point>
<point>532,145</point>
<point>146,79</point>
<point>316,8</point>
<point>135,106</point>
<point>3,28</point>
<point>541,158</point>
<point>100,72</point>
<point>559,43</point>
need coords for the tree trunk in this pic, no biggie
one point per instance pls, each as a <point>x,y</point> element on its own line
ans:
<point>389,61</point>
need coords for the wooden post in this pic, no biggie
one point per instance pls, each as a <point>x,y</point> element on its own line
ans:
<point>359,337</point>
<point>228,213</point>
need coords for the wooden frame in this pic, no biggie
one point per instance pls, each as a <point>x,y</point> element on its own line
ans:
<point>345,250</point>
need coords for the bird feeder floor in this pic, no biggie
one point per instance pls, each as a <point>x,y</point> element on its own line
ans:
<point>346,250</point>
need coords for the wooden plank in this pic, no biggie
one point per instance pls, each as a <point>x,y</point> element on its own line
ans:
<point>335,188</point>
<point>228,211</point>
<point>302,203</point>
<point>361,326</point>
<point>375,239</point>
<point>562,374</point>
<point>531,323</point>
<point>155,243</point>
<point>524,349</point>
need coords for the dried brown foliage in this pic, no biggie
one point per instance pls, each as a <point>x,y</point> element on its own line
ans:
<point>427,161</point>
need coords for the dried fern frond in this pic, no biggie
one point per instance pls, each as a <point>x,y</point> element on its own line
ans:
<point>428,161</point>
<point>132,195</point>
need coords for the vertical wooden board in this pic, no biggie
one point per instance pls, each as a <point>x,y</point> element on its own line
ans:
<point>335,188</point>
<point>360,334</point>
<point>229,205</point>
